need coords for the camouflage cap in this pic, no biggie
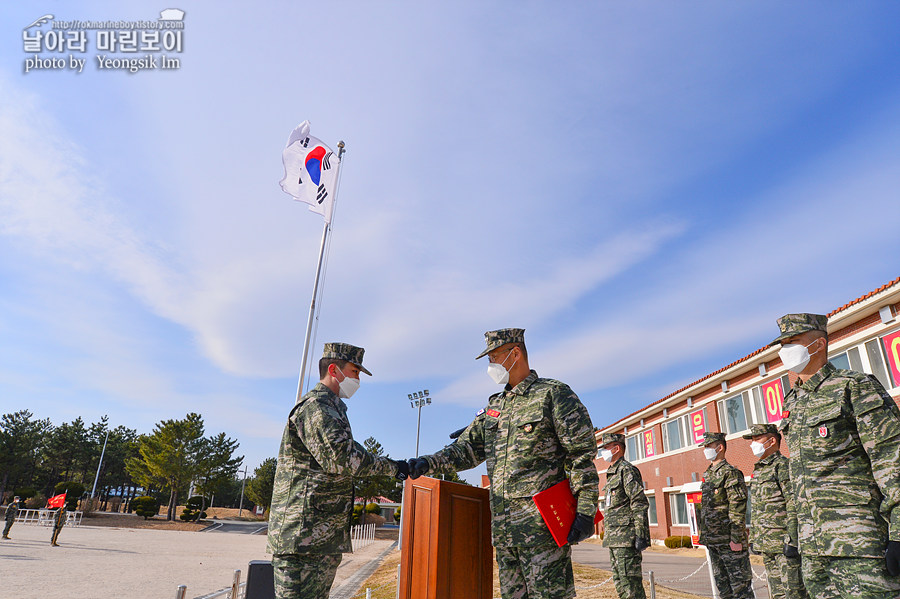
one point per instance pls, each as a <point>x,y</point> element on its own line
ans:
<point>345,351</point>
<point>609,438</point>
<point>501,337</point>
<point>794,324</point>
<point>709,438</point>
<point>761,429</point>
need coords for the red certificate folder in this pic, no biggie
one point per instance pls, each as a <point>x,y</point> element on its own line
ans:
<point>557,506</point>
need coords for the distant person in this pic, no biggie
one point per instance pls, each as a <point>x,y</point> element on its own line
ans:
<point>12,510</point>
<point>59,520</point>
<point>773,521</point>
<point>533,434</point>
<point>312,496</point>
<point>843,434</point>
<point>722,520</point>
<point>626,524</point>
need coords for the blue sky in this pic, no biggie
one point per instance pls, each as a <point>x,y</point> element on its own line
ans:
<point>643,187</point>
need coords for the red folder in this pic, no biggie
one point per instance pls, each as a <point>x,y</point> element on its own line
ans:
<point>558,506</point>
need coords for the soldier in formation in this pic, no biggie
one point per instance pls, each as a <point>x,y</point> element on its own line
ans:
<point>626,525</point>
<point>722,520</point>
<point>533,434</point>
<point>59,520</point>
<point>12,510</point>
<point>773,523</point>
<point>312,496</point>
<point>843,434</point>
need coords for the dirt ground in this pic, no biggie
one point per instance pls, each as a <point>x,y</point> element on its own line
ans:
<point>590,583</point>
<point>756,560</point>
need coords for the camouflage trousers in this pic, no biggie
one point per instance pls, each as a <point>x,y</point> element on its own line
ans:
<point>627,575</point>
<point>6,528</point>
<point>731,571</point>
<point>846,577</point>
<point>543,572</point>
<point>55,535</point>
<point>304,575</point>
<point>785,580</point>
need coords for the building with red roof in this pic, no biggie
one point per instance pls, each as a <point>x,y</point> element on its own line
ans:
<point>662,438</point>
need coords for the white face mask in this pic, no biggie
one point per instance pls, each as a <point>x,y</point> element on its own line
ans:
<point>794,356</point>
<point>710,453</point>
<point>498,373</point>
<point>757,448</point>
<point>347,387</point>
<point>606,455</point>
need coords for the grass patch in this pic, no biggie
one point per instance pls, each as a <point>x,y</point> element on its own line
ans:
<point>384,583</point>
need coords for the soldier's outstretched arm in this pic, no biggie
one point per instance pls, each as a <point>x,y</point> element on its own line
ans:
<point>878,423</point>
<point>466,451</point>
<point>576,435</point>
<point>330,441</point>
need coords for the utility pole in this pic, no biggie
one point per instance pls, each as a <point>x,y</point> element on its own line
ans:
<point>244,482</point>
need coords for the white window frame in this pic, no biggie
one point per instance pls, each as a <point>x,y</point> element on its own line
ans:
<point>651,498</point>
<point>746,402</point>
<point>683,429</point>
<point>864,361</point>
<point>639,445</point>
<point>673,509</point>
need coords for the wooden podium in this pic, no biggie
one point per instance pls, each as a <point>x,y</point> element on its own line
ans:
<point>446,548</point>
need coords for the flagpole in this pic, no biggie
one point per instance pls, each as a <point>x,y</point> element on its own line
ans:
<point>312,304</point>
<point>102,453</point>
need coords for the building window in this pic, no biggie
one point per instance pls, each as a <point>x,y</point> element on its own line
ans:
<point>734,412</point>
<point>674,436</point>
<point>679,509</point>
<point>634,448</point>
<point>651,513</point>
<point>867,357</point>
<point>848,360</point>
<point>876,361</point>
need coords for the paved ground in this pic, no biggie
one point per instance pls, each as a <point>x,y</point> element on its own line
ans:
<point>667,568</point>
<point>104,562</point>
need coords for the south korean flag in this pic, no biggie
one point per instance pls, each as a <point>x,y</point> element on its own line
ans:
<point>310,171</point>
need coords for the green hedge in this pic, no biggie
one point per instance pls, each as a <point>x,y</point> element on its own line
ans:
<point>145,506</point>
<point>676,541</point>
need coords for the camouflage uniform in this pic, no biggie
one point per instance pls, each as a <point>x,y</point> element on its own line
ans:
<point>312,495</point>
<point>722,518</point>
<point>12,510</point>
<point>59,520</point>
<point>843,433</point>
<point>532,436</point>
<point>773,521</point>
<point>625,521</point>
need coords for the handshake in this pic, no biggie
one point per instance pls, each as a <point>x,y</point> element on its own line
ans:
<point>411,468</point>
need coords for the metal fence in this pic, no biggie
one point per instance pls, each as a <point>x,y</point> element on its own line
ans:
<point>362,535</point>
<point>237,590</point>
<point>44,517</point>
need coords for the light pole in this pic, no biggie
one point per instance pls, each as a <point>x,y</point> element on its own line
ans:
<point>417,400</point>
<point>241,506</point>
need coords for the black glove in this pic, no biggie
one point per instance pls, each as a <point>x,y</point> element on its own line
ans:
<point>641,543</point>
<point>892,558</point>
<point>582,528</point>
<point>791,551</point>
<point>750,548</point>
<point>402,469</point>
<point>417,467</point>
<point>456,434</point>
